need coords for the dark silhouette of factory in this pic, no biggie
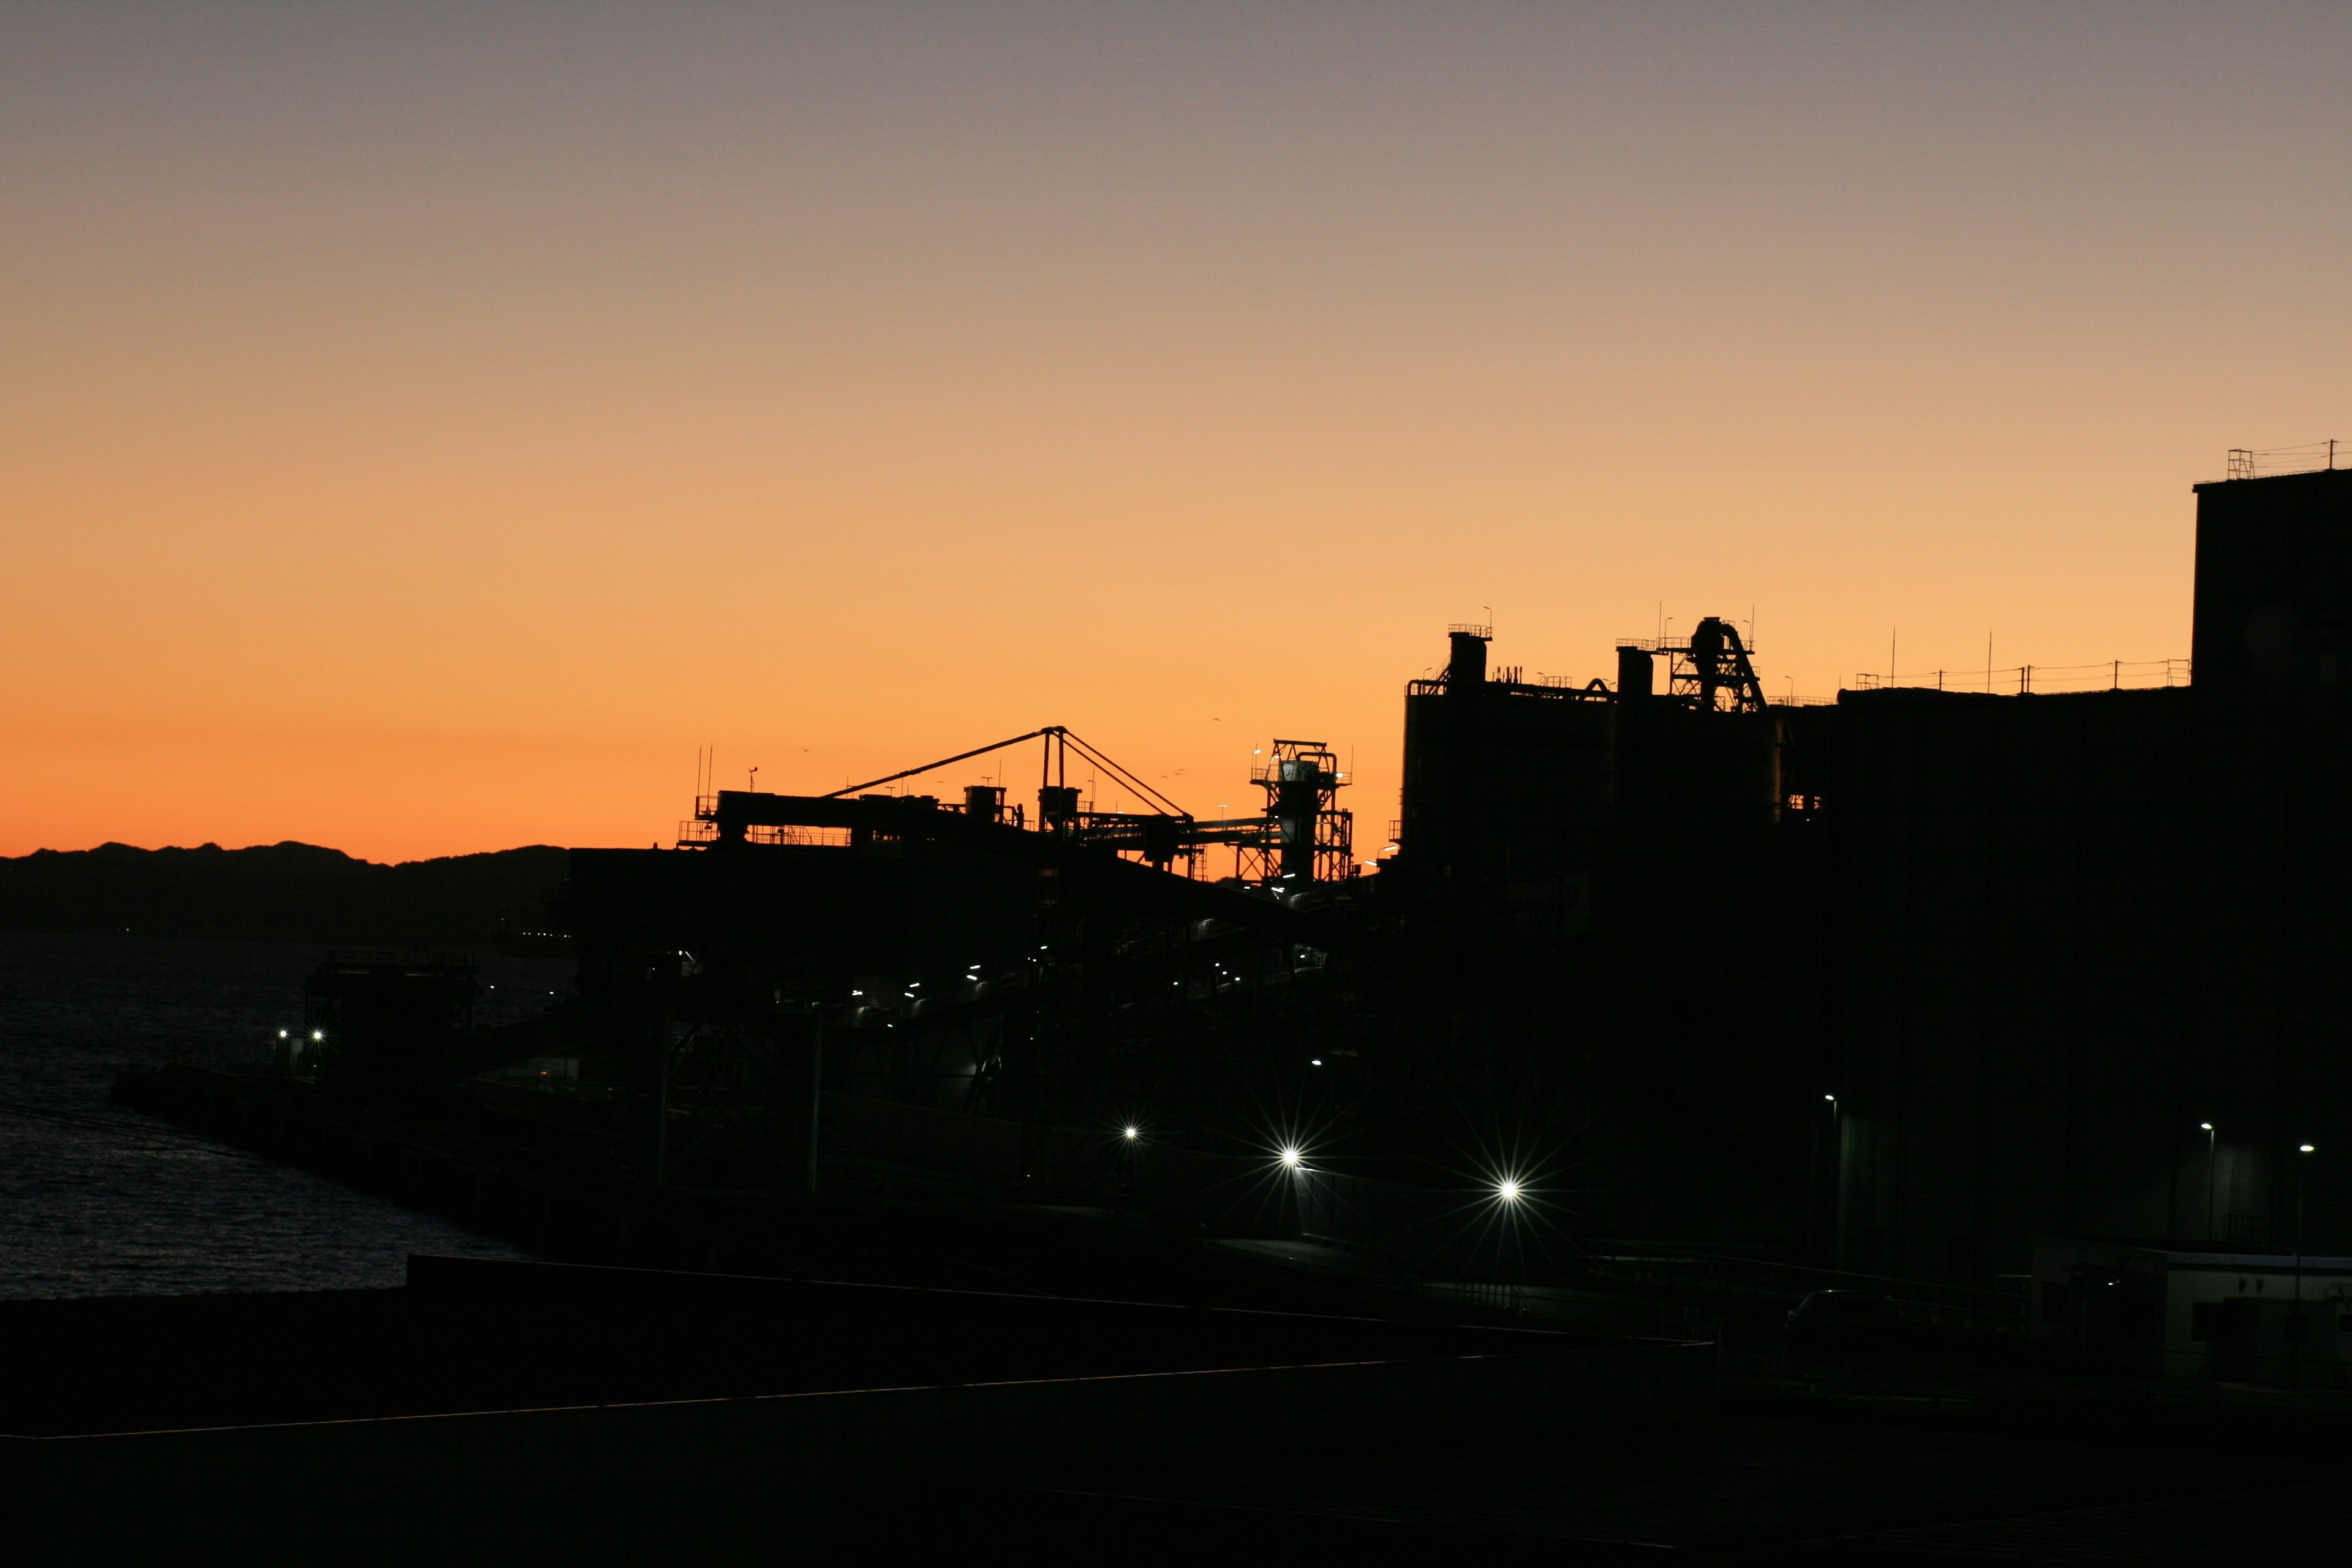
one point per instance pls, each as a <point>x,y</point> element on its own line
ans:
<point>1964,1057</point>
<point>1926,983</point>
<point>1893,983</point>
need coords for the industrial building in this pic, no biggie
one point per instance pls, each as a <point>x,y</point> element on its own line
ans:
<point>2088,948</point>
<point>1892,985</point>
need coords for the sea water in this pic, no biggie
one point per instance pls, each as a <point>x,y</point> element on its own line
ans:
<point>97,1199</point>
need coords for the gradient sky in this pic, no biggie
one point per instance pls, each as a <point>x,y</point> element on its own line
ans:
<point>420,428</point>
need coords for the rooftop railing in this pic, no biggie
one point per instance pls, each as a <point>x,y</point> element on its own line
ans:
<point>2115,675</point>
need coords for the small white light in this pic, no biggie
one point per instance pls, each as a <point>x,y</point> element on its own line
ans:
<point>1508,1189</point>
<point>2307,1149</point>
<point>281,1034</point>
<point>318,1034</point>
<point>2204,1127</point>
<point>1290,1158</point>
<point>1133,1133</point>
<point>1317,1062</point>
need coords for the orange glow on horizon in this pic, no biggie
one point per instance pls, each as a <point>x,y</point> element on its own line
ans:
<point>417,444</point>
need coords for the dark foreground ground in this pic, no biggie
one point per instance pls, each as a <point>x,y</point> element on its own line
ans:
<point>1761,1484</point>
<point>508,1412</point>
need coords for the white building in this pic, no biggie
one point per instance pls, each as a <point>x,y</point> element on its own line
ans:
<point>2192,1310</point>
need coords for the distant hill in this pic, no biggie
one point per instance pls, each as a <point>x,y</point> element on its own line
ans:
<point>283,892</point>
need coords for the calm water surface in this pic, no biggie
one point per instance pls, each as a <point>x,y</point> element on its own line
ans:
<point>96,1199</point>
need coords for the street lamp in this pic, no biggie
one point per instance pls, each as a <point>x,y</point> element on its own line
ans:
<point>2211,1234</point>
<point>2301,1166</point>
<point>1836,1193</point>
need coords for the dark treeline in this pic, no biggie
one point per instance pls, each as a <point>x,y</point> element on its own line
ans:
<point>283,892</point>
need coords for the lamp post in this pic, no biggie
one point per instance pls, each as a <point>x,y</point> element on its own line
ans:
<point>815,1093</point>
<point>2298,1327</point>
<point>2210,1234</point>
<point>2302,1165</point>
<point>1836,1183</point>
<point>1293,1161</point>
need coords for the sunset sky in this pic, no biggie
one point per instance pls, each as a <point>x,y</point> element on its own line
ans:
<point>421,428</point>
